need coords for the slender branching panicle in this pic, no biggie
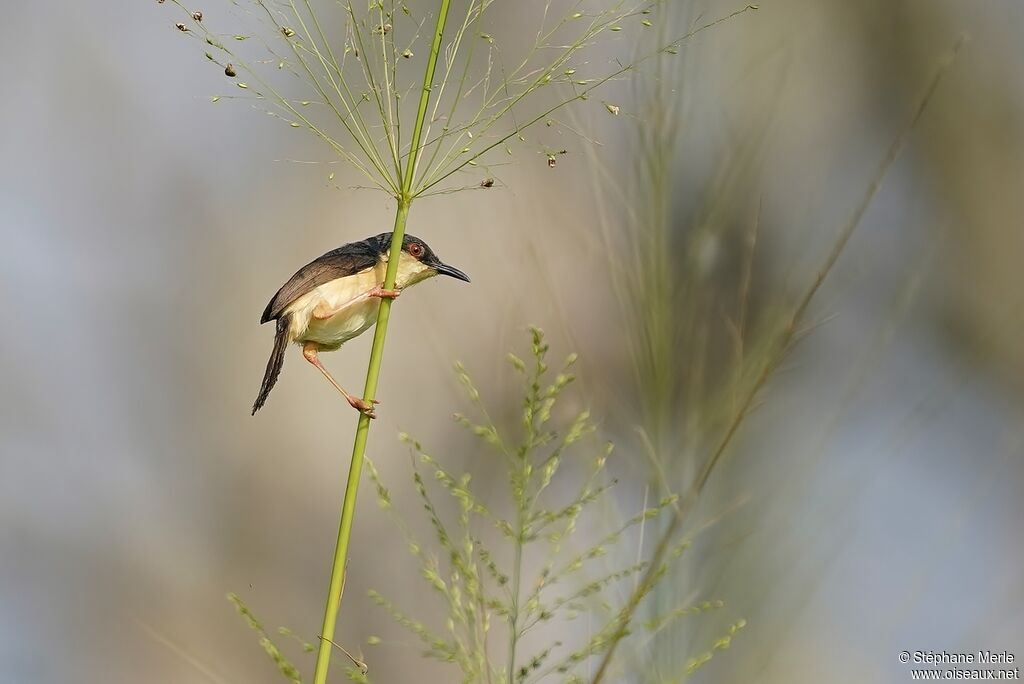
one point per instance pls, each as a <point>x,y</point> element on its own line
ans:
<point>285,666</point>
<point>356,89</point>
<point>682,272</point>
<point>681,309</point>
<point>501,575</point>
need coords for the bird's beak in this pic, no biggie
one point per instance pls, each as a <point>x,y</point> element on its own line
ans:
<point>445,269</point>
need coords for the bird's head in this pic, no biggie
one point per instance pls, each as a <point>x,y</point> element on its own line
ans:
<point>417,261</point>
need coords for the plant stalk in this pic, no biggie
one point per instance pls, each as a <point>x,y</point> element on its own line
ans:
<point>348,507</point>
<point>517,574</point>
<point>788,336</point>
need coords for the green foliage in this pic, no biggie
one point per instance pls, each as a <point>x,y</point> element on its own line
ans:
<point>687,294</point>
<point>285,666</point>
<point>576,575</point>
<point>723,642</point>
<point>356,673</point>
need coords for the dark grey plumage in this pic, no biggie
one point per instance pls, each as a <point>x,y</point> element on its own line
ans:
<point>275,363</point>
<point>338,263</point>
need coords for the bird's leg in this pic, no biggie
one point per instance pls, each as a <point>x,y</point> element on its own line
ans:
<point>309,351</point>
<point>379,291</point>
<point>322,311</point>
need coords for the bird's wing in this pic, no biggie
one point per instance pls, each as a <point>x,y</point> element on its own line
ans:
<point>345,261</point>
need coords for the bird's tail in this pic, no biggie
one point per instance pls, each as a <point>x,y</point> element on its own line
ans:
<point>274,364</point>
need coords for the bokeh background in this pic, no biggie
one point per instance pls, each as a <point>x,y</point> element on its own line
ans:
<point>870,505</point>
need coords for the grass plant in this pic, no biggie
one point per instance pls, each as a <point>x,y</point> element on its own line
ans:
<point>480,586</point>
<point>695,398</point>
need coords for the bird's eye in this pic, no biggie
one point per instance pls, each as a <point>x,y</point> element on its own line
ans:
<point>416,250</point>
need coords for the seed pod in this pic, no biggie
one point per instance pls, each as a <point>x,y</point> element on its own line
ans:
<point>197,15</point>
<point>487,183</point>
<point>288,33</point>
<point>181,27</point>
<point>229,71</point>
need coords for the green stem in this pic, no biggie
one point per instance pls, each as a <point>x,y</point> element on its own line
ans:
<point>521,479</point>
<point>348,508</point>
<point>517,573</point>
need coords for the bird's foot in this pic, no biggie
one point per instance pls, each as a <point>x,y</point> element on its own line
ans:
<point>379,291</point>
<point>364,407</point>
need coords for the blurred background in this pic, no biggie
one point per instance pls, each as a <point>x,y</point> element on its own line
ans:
<point>868,505</point>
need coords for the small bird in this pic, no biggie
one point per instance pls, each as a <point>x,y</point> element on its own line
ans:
<point>336,297</point>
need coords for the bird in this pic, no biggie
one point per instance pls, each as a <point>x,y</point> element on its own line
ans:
<point>335,298</point>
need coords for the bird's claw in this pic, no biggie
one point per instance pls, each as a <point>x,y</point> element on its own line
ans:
<point>364,407</point>
<point>379,291</point>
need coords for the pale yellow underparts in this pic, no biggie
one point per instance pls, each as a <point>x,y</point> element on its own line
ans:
<point>352,310</point>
